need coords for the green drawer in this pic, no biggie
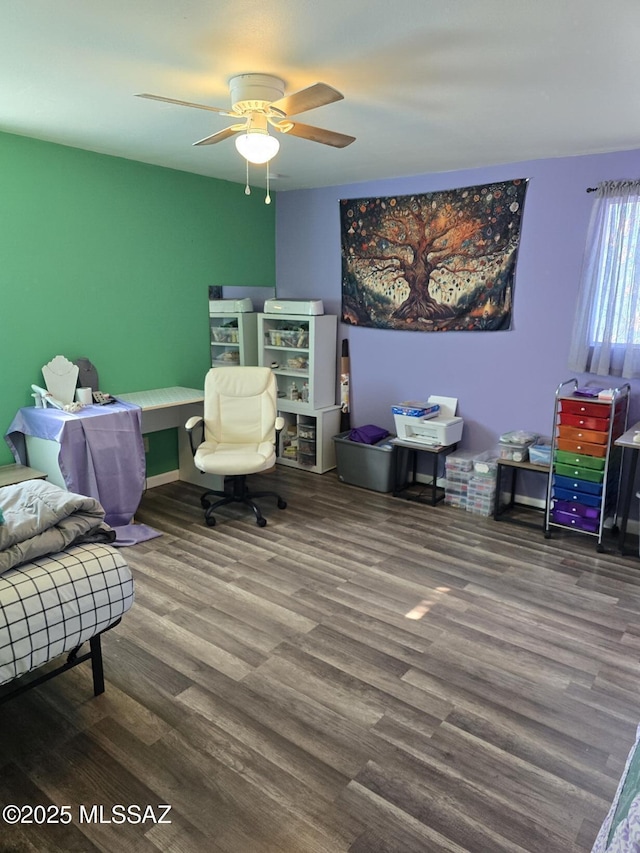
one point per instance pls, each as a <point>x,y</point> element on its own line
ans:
<point>580,461</point>
<point>580,473</point>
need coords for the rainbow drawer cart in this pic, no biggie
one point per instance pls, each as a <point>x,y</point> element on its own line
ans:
<point>585,472</point>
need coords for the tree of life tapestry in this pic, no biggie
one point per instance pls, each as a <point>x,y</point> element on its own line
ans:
<point>440,261</point>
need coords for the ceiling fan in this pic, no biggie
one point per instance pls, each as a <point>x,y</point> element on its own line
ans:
<point>259,101</point>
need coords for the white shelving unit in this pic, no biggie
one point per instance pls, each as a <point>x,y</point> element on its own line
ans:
<point>302,353</point>
<point>307,439</point>
<point>233,339</point>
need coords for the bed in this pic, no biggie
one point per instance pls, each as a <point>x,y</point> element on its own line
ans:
<point>51,604</point>
<point>620,831</point>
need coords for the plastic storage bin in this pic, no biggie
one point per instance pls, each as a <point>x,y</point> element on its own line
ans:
<point>458,470</point>
<point>486,463</point>
<point>540,454</point>
<point>461,460</point>
<point>514,446</point>
<point>224,334</point>
<point>455,493</point>
<point>481,494</point>
<point>370,466</point>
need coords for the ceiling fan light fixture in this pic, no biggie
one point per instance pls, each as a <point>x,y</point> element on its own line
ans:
<point>257,146</point>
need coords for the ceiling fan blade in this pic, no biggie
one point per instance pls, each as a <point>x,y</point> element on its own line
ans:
<point>220,135</point>
<point>319,134</point>
<point>185,104</point>
<point>307,99</point>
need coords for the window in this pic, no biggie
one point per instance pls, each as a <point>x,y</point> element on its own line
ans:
<point>606,333</point>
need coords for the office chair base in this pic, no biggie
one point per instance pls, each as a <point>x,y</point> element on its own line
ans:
<point>240,494</point>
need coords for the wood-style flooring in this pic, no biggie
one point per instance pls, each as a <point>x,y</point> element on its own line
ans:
<point>364,674</point>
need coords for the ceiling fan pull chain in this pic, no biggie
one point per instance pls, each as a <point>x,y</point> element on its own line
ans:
<point>247,189</point>
<point>267,199</point>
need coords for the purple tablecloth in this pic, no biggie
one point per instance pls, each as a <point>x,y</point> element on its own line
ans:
<point>101,452</point>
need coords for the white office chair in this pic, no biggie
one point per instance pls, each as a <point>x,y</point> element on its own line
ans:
<point>239,431</point>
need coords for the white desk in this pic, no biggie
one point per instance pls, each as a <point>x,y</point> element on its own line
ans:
<point>171,408</point>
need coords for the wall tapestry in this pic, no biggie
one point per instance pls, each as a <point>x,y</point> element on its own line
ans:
<point>440,261</point>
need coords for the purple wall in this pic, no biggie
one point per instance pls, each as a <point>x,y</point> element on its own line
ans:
<point>503,380</point>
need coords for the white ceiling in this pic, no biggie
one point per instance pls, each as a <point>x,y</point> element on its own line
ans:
<point>429,85</point>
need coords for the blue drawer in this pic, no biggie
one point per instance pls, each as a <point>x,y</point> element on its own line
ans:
<point>577,497</point>
<point>576,485</point>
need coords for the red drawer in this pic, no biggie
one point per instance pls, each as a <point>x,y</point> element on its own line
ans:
<point>590,435</point>
<point>601,423</point>
<point>582,448</point>
<point>581,407</point>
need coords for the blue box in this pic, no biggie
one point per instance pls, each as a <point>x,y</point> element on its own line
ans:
<point>415,410</point>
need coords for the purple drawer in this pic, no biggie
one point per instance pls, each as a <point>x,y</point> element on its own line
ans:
<point>574,508</point>
<point>589,525</point>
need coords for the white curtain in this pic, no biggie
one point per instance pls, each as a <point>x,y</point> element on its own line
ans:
<point>606,331</point>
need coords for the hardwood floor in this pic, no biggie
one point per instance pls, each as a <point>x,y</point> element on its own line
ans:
<point>364,674</point>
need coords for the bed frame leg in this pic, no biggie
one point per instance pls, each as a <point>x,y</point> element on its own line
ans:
<point>96,665</point>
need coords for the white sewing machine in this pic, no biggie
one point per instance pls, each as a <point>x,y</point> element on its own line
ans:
<point>442,429</point>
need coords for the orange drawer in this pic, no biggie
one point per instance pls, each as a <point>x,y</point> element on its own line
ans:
<point>585,448</point>
<point>576,406</point>
<point>575,434</point>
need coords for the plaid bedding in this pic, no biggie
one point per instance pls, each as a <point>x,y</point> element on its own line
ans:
<point>55,603</point>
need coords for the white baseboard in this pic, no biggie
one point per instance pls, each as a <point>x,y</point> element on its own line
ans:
<point>633,524</point>
<point>161,479</point>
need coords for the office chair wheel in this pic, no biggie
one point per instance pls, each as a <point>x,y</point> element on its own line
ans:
<point>261,522</point>
<point>282,504</point>
<point>210,520</point>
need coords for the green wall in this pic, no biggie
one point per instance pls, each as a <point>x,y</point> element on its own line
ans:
<point>111,260</point>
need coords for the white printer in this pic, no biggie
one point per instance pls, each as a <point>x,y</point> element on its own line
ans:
<point>230,306</point>
<point>436,430</point>
<point>297,307</point>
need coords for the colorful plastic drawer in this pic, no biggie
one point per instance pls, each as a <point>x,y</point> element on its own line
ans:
<point>579,461</point>
<point>577,521</point>
<point>590,435</point>
<point>574,508</point>
<point>601,424</point>
<point>580,407</point>
<point>582,447</point>
<point>570,496</point>
<point>576,485</point>
<point>588,474</point>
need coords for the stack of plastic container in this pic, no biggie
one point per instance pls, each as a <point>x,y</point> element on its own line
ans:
<point>481,490</point>
<point>459,468</point>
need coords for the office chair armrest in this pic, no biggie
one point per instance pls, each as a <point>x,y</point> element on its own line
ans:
<point>190,425</point>
<point>279,426</point>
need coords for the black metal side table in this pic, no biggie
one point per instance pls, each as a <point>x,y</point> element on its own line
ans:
<point>500,511</point>
<point>407,451</point>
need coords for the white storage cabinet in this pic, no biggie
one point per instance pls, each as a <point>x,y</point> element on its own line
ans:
<point>233,339</point>
<point>302,353</point>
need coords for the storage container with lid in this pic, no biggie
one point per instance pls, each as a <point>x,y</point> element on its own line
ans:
<point>514,445</point>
